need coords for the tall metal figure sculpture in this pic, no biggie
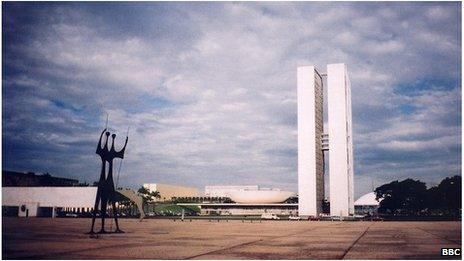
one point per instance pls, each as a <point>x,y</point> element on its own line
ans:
<point>106,192</point>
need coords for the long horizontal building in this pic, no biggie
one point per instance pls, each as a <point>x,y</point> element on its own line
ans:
<point>46,201</point>
<point>247,200</point>
<point>231,209</point>
<point>249,194</point>
<point>225,191</point>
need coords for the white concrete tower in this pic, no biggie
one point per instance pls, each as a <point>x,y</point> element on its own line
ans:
<point>340,141</point>
<point>310,155</point>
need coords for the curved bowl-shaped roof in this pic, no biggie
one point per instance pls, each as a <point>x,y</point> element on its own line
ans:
<point>367,200</point>
<point>260,196</point>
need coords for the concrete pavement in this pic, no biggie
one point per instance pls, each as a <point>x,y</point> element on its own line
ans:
<point>45,238</point>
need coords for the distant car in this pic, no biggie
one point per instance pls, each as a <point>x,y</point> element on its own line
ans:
<point>294,218</point>
<point>73,215</point>
<point>269,216</point>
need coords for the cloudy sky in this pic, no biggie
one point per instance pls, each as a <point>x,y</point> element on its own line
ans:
<point>209,89</point>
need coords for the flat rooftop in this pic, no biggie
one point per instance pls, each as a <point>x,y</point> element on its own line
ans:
<point>241,204</point>
<point>60,238</point>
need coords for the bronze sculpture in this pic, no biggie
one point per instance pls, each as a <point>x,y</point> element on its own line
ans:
<point>106,192</point>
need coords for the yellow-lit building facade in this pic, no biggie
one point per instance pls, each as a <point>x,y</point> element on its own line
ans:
<point>167,192</point>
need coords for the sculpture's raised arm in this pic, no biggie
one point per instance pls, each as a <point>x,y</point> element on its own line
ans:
<point>99,148</point>
<point>120,154</point>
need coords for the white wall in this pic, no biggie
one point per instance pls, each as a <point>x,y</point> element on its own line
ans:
<point>340,141</point>
<point>77,197</point>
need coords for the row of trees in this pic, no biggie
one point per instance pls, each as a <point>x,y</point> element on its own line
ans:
<point>412,198</point>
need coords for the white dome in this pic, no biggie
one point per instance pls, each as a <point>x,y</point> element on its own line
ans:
<point>367,200</point>
<point>260,196</point>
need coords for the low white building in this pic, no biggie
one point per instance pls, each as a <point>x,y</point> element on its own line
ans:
<point>260,196</point>
<point>36,201</point>
<point>234,209</point>
<point>249,194</point>
<point>226,191</point>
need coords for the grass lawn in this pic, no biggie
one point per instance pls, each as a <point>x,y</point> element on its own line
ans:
<point>175,209</point>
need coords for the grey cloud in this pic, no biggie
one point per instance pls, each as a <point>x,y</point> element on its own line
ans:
<point>209,89</point>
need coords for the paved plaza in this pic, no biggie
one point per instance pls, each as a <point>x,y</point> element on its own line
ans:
<point>45,238</point>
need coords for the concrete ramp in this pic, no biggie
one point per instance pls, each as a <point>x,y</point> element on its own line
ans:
<point>134,197</point>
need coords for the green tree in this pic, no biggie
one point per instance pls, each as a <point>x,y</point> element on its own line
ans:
<point>446,197</point>
<point>451,189</point>
<point>147,195</point>
<point>407,197</point>
<point>434,200</point>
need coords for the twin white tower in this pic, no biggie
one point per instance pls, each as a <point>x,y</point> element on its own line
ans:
<point>313,141</point>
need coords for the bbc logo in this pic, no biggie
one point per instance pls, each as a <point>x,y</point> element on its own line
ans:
<point>450,251</point>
